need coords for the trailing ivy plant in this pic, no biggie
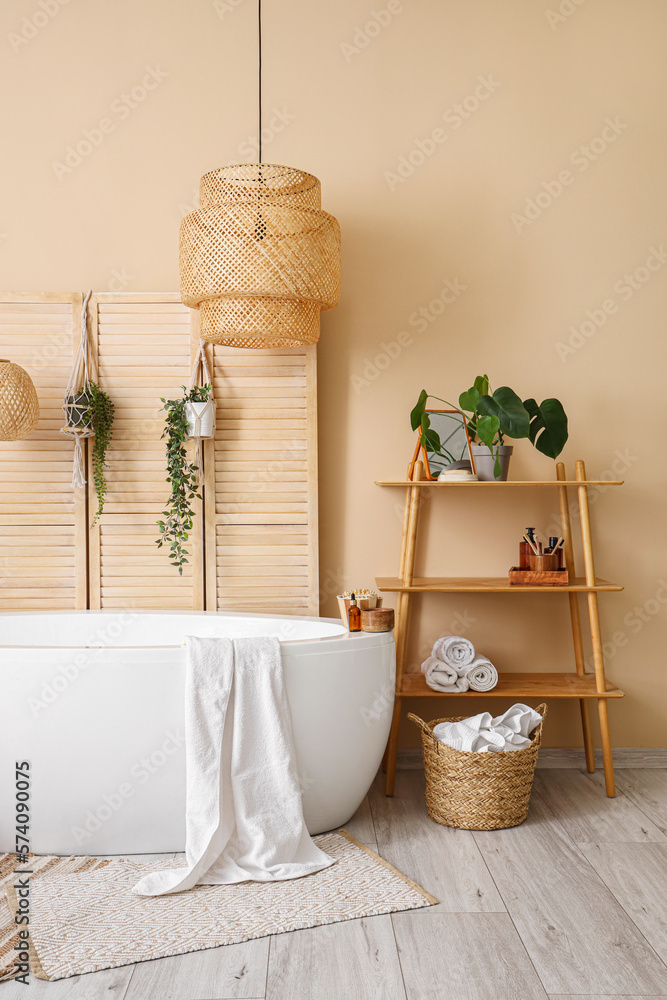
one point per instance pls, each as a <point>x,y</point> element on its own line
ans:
<point>101,411</point>
<point>182,475</point>
<point>493,415</point>
<point>91,408</point>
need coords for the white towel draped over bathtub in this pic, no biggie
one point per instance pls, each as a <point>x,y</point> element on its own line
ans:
<point>244,819</point>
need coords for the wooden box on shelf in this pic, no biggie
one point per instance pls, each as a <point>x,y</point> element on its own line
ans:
<point>544,578</point>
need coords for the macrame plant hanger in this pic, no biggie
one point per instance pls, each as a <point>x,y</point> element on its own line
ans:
<point>200,416</point>
<point>77,400</point>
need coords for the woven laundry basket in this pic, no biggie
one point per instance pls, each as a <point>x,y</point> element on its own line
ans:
<point>477,791</point>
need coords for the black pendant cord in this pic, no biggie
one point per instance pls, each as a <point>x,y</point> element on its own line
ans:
<point>260,225</point>
<point>259,87</point>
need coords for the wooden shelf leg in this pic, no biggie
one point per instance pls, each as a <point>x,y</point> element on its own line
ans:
<point>607,755</point>
<point>596,635</point>
<point>575,617</point>
<point>389,763</point>
<point>399,599</point>
<point>406,572</point>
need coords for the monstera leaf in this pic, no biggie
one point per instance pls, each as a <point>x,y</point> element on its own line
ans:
<point>548,426</point>
<point>487,429</point>
<point>417,413</point>
<point>468,400</point>
<point>510,411</point>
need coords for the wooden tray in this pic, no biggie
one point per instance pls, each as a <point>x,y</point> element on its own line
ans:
<point>551,578</point>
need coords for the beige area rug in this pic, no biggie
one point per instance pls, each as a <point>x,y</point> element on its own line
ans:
<point>40,866</point>
<point>88,920</point>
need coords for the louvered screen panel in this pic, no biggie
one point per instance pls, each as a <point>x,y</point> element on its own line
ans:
<point>261,498</point>
<point>42,519</point>
<point>254,544</point>
<point>144,352</point>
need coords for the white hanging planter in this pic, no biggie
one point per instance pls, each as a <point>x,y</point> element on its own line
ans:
<point>201,419</point>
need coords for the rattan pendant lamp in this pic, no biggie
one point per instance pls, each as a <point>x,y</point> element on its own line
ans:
<point>19,406</point>
<point>259,258</point>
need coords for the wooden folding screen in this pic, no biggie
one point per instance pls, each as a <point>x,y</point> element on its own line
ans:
<point>143,348</point>
<point>261,486</point>
<point>254,543</point>
<point>42,519</point>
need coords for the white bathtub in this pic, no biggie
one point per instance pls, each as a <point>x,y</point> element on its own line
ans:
<point>94,701</point>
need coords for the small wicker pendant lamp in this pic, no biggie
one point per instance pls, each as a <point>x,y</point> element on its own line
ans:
<point>259,258</point>
<point>19,406</point>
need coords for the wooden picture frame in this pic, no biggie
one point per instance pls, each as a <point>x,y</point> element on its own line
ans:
<point>428,472</point>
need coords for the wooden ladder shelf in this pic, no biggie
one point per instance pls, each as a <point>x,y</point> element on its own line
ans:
<point>534,685</point>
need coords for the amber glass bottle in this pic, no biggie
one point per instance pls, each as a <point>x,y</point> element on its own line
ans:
<point>354,615</point>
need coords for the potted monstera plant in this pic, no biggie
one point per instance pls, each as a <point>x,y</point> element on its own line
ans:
<point>492,417</point>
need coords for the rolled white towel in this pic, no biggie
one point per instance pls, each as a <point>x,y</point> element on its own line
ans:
<point>441,677</point>
<point>481,674</point>
<point>456,651</point>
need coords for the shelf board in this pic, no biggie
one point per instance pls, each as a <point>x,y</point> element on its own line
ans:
<point>510,483</point>
<point>485,585</point>
<point>528,685</point>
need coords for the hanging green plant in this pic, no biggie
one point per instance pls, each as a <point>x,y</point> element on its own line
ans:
<point>102,412</point>
<point>91,411</point>
<point>182,475</point>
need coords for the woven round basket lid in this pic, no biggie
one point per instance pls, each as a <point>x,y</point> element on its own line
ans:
<point>259,258</point>
<point>19,406</point>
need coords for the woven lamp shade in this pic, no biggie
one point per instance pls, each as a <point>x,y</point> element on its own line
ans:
<point>259,258</point>
<point>19,406</point>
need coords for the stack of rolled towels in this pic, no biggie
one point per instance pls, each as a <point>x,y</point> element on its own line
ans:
<point>455,666</point>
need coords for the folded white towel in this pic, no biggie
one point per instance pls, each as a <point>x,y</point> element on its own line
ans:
<point>483,734</point>
<point>456,651</point>
<point>244,816</point>
<point>442,677</point>
<point>481,674</point>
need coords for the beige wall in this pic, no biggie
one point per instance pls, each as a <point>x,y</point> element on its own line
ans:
<point>347,104</point>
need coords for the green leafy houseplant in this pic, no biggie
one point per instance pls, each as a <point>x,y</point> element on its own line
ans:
<point>102,415</point>
<point>493,415</point>
<point>182,475</point>
<point>92,408</point>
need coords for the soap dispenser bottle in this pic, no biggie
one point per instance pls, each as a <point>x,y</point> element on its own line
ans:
<point>525,550</point>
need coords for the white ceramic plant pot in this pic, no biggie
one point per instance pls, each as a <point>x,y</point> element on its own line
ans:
<point>485,462</point>
<point>201,419</point>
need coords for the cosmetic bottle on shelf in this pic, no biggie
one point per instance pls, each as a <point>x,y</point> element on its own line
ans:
<point>525,550</point>
<point>354,615</point>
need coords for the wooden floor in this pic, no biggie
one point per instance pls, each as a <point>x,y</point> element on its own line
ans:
<point>571,904</point>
